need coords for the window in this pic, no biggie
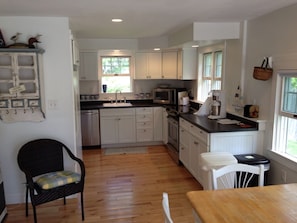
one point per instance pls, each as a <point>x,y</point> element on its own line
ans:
<point>210,73</point>
<point>116,73</point>
<point>285,134</point>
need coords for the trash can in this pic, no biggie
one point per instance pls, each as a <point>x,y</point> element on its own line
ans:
<point>214,160</point>
<point>255,159</point>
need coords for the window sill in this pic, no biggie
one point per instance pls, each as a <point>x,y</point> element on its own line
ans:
<point>284,159</point>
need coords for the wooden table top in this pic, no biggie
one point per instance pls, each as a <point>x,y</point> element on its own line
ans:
<point>276,203</point>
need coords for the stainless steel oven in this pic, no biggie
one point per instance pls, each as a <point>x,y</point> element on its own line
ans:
<point>173,138</point>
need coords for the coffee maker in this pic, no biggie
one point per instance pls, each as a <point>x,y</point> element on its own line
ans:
<point>214,106</point>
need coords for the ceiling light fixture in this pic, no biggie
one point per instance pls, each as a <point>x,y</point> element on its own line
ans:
<point>117,20</point>
<point>157,49</point>
<point>195,46</point>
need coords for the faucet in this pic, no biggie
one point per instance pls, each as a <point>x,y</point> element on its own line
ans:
<point>116,95</point>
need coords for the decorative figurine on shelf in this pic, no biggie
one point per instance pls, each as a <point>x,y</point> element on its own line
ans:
<point>15,37</point>
<point>2,41</point>
<point>34,40</point>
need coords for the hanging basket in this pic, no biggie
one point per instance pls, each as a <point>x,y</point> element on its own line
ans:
<point>263,73</point>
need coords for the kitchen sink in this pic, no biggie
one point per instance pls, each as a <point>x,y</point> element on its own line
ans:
<point>120,104</point>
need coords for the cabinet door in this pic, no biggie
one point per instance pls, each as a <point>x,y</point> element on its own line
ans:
<point>158,124</point>
<point>141,66</point>
<point>184,155</point>
<point>187,64</point>
<point>154,65</point>
<point>169,65</point>
<point>88,66</point>
<point>196,148</point>
<point>109,130</point>
<point>126,129</point>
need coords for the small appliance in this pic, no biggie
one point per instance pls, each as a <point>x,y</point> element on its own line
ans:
<point>214,106</point>
<point>168,96</point>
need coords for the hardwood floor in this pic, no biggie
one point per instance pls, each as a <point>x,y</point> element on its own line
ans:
<point>121,189</point>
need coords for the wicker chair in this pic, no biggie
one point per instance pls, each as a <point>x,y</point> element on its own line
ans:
<point>44,156</point>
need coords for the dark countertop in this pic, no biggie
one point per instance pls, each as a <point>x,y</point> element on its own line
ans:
<point>97,104</point>
<point>211,126</point>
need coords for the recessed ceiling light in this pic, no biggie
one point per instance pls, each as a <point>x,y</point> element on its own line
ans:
<point>117,20</point>
<point>195,46</point>
<point>157,49</point>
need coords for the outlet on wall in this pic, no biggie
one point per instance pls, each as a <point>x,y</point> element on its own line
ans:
<point>284,176</point>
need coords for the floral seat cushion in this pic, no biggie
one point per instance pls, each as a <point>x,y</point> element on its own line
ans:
<point>57,179</point>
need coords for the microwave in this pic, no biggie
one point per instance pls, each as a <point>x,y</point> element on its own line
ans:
<point>168,96</point>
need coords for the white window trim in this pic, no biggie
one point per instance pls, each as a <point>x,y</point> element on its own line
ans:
<point>108,53</point>
<point>276,151</point>
<point>201,52</point>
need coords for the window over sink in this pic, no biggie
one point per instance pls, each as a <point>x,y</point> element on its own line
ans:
<point>115,71</point>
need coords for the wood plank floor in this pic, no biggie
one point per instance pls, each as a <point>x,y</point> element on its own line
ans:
<point>121,189</point>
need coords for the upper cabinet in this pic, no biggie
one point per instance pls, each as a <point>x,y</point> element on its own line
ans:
<point>88,69</point>
<point>187,64</point>
<point>148,65</point>
<point>169,65</point>
<point>173,64</point>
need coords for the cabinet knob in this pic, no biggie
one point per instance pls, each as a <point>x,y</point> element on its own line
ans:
<point>196,143</point>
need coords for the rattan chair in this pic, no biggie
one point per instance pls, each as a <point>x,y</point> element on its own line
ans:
<point>44,156</point>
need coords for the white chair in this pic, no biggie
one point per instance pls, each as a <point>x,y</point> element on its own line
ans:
<point>236,176</point>
<point>166,210</point>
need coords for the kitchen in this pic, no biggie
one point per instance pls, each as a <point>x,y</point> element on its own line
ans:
<point>281,47</point>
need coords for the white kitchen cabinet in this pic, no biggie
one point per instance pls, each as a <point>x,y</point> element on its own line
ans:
<point>187,64</point>
<point>194,141</point>
<point>144,124</point>
<point>88,69</point>
<point>117,126</point>
<point>169,65</point>
<point>158,124</point>
<point>148,65</point>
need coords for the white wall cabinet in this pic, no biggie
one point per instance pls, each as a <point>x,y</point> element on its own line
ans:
<point>117,126</point>
<point>148,65</point>
<point>20,84</point>
<point>169,65</point>
<point>187,64</point>
<point>88,69</point>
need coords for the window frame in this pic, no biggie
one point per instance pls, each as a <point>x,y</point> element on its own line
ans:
<point>201,88</point>
<point>282,118</point>
<point>116,53</point>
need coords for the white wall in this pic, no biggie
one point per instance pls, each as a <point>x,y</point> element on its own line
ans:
<point>59,123</point>
<point>273,35</point>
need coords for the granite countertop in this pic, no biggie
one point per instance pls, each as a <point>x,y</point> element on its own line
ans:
<point>212,126</point>
<point>98,104</point>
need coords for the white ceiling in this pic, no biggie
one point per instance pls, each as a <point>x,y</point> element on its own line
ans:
<point>142,18</point>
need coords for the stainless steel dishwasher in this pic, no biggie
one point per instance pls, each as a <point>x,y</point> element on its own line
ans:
<point>90,128</point>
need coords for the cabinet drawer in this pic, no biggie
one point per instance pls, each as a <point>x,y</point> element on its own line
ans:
<point>184,124</point>
<point>144,110</point>
<point>144,125</point>
<point>199,133</point>
<point>117,111</point>
<point>144,117</point>
<point>144,135</point>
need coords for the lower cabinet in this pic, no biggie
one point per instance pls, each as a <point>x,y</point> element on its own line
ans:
<point>193,141</point>
<point>131,125</point>
<point>117,125</point>
<point>191,146</point>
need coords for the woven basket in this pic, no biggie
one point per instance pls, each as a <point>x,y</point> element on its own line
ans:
<point>263,73</point>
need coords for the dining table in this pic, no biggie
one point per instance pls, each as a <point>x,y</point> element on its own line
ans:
<point>266,204</point>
